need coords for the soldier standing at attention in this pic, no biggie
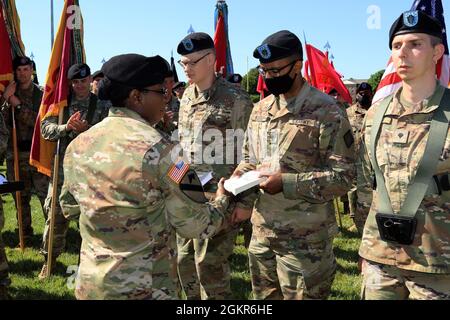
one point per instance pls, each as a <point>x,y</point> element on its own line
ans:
<point>302,142</point>
<point>405,246</point>
<point>210,106</point>
<point>25,97</point>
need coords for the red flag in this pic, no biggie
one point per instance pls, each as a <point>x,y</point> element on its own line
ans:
<point>261,88</point>
<point>323,75</point>
<point>220,44</point>
<point>6,68</point>
<point>56,86</point>
<point>306,72</point>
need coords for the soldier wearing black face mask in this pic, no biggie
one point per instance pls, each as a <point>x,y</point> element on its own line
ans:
<point>356,114</point>
<point>302,142</point>
<point>364,95</point>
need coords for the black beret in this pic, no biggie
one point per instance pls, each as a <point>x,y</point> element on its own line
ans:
<point>21,61</point>
<point>97,74</point>
<point>178,85</point>
<point>135,70</point>
<point>364,86</point>
<point>78,71</point>
<point>195,42</point>
<point>234,78</point>
<point>415,22</point>
<point>278,46</point>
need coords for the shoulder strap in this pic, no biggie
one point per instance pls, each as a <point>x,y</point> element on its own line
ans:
<point>384,204</point>
<point>430,160</point>
<point>425,171</point>
<point>91,109</point>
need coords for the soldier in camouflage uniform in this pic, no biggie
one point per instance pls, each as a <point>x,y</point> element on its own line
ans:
<point>4,278</point>
<point>359,206</point>
<point>302,142</point>
<point>420,270</point>
<point>210,105</point>
<point>119,181</point>
<point>84,111</point>
<point>25,97</point>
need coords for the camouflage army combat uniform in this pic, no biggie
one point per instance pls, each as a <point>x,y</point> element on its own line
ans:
<point>309,139</point>
<point>117,181</point>
<point>359,197</point>
<point>4,278</point>
<point>35,182</point>
<point>423,267</point>
<point>51,131</point>
<point>219,110</point>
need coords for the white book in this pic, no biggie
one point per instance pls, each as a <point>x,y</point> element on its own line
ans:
<point>240,184</point>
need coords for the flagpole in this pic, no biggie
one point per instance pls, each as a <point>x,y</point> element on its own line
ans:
<point>52,28</point>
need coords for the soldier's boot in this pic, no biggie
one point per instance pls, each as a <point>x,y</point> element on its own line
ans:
<point>4,293</point>
<point>44,271</point>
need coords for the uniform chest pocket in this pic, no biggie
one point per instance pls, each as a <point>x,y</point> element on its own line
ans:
<point>305,134</point>
<point>300,144</point>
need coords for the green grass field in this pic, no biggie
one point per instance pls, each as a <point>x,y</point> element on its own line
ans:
<point>25,266</point>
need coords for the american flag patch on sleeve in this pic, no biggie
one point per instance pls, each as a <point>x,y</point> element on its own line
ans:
<point>177,171</point>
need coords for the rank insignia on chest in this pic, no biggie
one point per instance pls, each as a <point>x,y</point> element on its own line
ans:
<point>177,171</point>
<point>400,136</point>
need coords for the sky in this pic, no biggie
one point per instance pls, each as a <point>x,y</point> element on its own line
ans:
<point>357,30</point>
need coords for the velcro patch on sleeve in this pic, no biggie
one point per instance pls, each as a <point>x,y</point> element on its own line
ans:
<point>177,172</point>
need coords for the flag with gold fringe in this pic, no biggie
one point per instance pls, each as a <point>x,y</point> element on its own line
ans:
<point>6,71</point>
<point>67,50</point>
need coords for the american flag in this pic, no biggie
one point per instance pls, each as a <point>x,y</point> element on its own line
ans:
<point>390,81</point>
<point>177,171</point>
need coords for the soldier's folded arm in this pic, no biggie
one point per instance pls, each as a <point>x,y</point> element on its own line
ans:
<point>335,177</point>
<point>190,219</point>
<point>51,131</point>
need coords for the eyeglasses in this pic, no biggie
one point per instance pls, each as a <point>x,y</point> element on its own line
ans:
<point>275,72</point>
<point>162,91</point>
<point>191,63</point>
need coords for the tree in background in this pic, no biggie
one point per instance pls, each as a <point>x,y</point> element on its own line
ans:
<point>252,76</point>
<point>375,79</point>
